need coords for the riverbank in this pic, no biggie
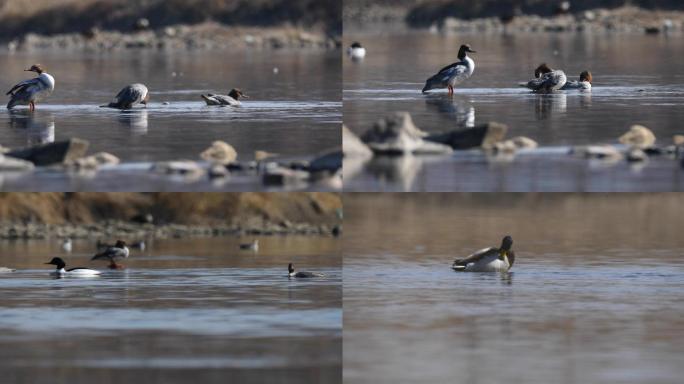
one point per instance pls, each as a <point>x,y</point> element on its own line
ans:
<point>436,18</point>
<point>205,36</point>
<point>166,215</point>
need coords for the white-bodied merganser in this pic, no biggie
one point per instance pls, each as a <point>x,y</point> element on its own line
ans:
<point>231,99</point>
<point>66,245</point>
<point>72,271</point>
<point>118,251</point>
<point>547,79</point>
<point>138,245</point>
<point>129,96</point>
<point>584,83</point>
<point>292,273</point>
<point>6,270</point>
<point>253,246</point>
<point>453,74</point>
<point>488,259</point>
<point>32,90</point>
<point>356,51</point>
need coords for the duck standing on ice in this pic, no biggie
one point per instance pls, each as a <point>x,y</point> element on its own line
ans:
<point>113,253</point>
<point>547,79</point>
<point>129,96</point>
<point>32,90</point>
<point>231,99</point>
<point>453,74</point>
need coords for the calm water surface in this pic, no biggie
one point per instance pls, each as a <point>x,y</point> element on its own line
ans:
<point>295,112</point>
<point>630,86</point>
<point>586,301</point>
<point>184,309</point>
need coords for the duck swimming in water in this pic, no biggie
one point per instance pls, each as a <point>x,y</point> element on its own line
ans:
<point>80,271</point>
<point>488,259</point>
<point>291,273</point>
<point>453,74</point>
<point>547,79</point>
<point>231,99</point>
<point>129,96</point>
<point>253,246</point>
<point>113,253</point>
<point>583,84</point>
<point>356,51</point>
<point>28,92</point>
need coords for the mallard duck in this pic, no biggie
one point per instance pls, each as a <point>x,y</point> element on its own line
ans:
<point>232,99</point>
<point>453,74</point>
<point>488,259</point>
<point>31,90</point>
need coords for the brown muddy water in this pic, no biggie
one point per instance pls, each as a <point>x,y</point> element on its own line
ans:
<point>195,309</point>
<point>635,82</point>
<point>595,295</point>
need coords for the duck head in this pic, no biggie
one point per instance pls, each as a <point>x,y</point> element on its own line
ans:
<point>58,262</point>
<point>37,68</point>
<point>586,76</point>
<point>236,94</point>
<point>120,244</point>
<point>356,44</point>
<point>290,268</point>
<point>506,245</point>
<point>465,48</point>
<point>542,69</point>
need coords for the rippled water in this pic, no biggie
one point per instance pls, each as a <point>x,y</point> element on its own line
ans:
<point>182,309</point>
<point>634,82</point>
<point>593,297</point>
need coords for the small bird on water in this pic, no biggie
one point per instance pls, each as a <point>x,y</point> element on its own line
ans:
<point>490,259</point>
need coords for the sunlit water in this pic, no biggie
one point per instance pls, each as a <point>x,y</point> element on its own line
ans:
<point>294,111</point>
<point>634,83</point>
<point>184,308</point>
<point>580,305</point>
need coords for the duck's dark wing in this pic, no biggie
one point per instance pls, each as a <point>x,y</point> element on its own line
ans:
<point>476,256</point>
<point>309,274</point>
<point>76,269</point>
<point>110,253</point>
<point>453,66</point>
<point>23,85</point>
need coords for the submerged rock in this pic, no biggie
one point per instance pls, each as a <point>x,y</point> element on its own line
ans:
<point>602,152</point>
<point>52,153</point>
<point>353,146</point>
<point>181,167</point>
<point>483,136</point>
<point>219,152</point>
<point>329,161</point>
<point>218,171</point>
<point>13,164</point>
<point>636,155</point>
<point>93,161</point>
<point>638,136</point>
<point>276,175</point>
<point>397,135</point>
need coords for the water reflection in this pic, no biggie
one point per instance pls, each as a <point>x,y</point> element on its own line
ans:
<point>135,120</point>
<point>549,104</point>
<point>458,109</point>
<point>39,125</point>
<point>396,170</point>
